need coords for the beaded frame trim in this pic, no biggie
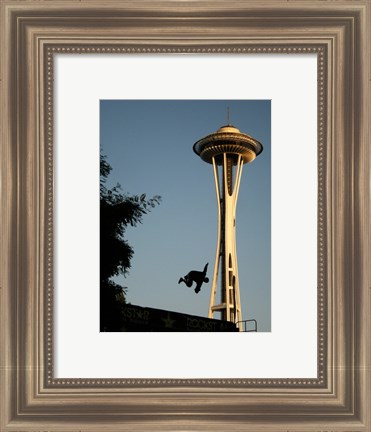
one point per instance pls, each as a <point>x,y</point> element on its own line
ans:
<point>321,380</point>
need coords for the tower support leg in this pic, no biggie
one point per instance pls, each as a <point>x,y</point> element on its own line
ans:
<point>226,252</point>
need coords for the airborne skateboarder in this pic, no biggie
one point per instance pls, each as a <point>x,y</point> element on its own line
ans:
<point>195,276</point>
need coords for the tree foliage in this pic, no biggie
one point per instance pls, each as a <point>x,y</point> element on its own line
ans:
<point>117,211</point>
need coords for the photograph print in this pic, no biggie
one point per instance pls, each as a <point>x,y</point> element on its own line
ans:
<point>185,215</point>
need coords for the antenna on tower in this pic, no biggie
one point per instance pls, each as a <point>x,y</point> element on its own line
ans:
<point>228,120</point>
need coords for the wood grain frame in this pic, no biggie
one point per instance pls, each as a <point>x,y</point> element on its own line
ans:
<point>32,31</point>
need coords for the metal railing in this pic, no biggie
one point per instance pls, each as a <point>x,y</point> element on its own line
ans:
<point>245,325</point>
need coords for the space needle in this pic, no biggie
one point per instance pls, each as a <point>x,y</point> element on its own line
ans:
<point>227,150</point>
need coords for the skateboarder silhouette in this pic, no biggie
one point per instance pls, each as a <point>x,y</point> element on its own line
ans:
<point>195,276</point>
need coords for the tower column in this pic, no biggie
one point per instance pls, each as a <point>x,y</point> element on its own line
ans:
<point>231,293</point>
<point>226,254</point>
<point>227,150</point>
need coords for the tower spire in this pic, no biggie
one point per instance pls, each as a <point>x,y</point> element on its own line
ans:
<point>227,150</point>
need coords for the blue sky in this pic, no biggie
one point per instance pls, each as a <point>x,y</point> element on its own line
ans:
<point>149,144</point>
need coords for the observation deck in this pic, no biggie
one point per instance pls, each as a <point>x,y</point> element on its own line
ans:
<point>230,140</point>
